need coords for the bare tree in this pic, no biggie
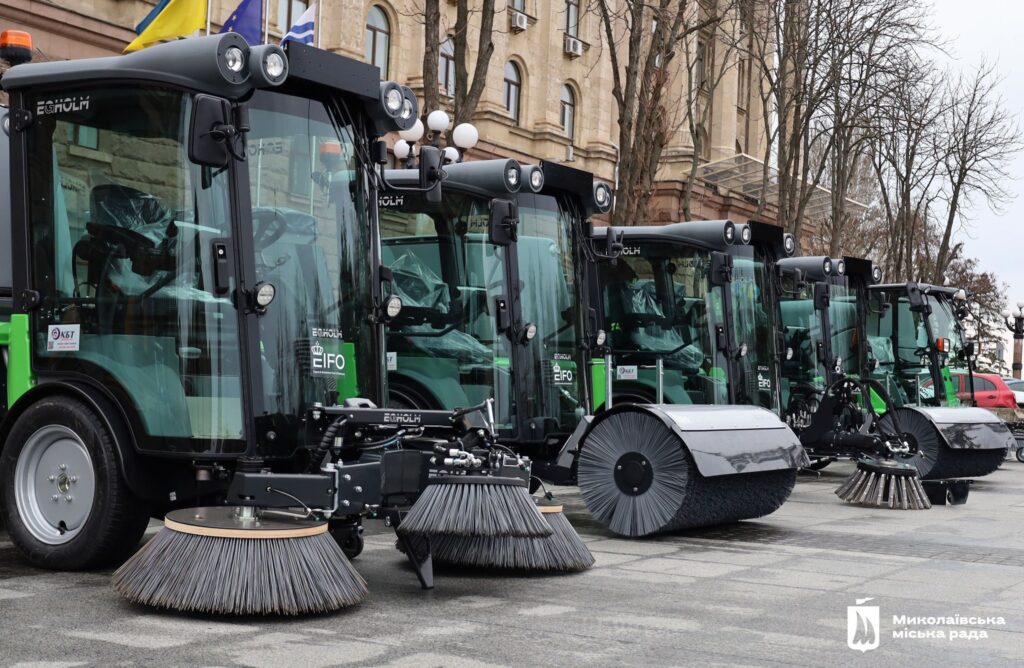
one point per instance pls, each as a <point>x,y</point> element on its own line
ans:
<point>469,81</point>
<point>981,138</point>
<point>642,39</point>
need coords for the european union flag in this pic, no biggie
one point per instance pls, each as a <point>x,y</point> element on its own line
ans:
<point>247,21</point>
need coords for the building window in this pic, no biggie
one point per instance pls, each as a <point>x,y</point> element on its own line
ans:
<point>518,5</point>
<point>698,65</point>
<point>572,18</point>
<point>288,12</point>
<point>742,87</point>
<point>513,90</point>
<point>446,68</point>
<point>378,39</point>
<point>85,136</point>
<point>568,112</point>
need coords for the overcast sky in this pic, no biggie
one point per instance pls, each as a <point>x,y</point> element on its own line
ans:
<point>994,30</point>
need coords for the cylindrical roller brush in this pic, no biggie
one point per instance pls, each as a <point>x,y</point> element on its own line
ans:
<point>884,483</point>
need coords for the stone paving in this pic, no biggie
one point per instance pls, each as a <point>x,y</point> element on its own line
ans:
<point>770,592</point>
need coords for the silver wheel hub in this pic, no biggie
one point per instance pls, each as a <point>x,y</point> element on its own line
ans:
<point>54,484</point>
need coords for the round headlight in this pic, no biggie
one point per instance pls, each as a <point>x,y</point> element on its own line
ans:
<point>512,176</point>
<point>743,350</point>
<point>789,353</point>
<point>730,233</point>
<point>960,295</point>
<point>234,58</point>
<point>876,274</point>
<point>274,65</point>
<point>746,234</point>
<point>393,306</point>
<point>265,293</point>
<point>826,266</point>
<point>603,195</point>
<point>790,244</point>
<point>529,332</point>
<point>601,337</point>
<point>393,101</point>
<point>536,179</point>
<point>841,267</point>
<point>407,109</point>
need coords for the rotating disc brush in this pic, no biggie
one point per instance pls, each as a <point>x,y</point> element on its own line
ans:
<point>885,483</point>
<point>481,506</point>
<point>211,560</point>
<point>562,551</point>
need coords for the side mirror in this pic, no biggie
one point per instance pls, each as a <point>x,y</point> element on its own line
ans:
<point>613,243</point>
<point>503,226</point>
<point>821,296</point>
<point>918,299</point>
<point>721,268</point>
<point>431,173</point>
<point>967,352</point>
<point>207,137</point>
<point>791,279</point>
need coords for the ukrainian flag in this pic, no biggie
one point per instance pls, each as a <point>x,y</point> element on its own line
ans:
<point>170,19</point>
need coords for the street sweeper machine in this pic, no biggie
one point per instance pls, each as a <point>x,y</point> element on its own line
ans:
<point>192,327</point>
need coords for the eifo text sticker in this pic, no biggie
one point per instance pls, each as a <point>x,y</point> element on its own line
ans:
<point>63,338</point>
<point>326,356</point>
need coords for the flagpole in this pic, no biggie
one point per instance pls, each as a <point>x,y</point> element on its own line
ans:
<point>266,21</point>
<point>209,10</point>
<point>319,15</point>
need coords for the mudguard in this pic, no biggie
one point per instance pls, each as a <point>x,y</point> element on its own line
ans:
<point>726,440</point>
<point>968,427</point>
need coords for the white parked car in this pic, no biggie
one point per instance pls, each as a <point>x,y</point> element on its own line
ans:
<point>1018,389</point>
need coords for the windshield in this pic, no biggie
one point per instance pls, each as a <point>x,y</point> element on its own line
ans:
<point>899,341</point>
<point>313,243</point>
<point>123,232</point>
<point>803,374</point>
<point>659,304</point>
<point>553,375</point>
<point>444,349</point>
<point>754,329</point>
<point>844,321</point>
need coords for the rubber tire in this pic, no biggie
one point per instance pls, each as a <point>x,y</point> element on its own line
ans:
<point>1020,455</point>
<point>946,462</point>
<point>117,519</point>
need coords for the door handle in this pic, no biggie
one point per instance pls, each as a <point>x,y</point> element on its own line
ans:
<point>221,249</point>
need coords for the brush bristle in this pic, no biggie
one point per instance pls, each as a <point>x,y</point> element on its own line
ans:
<point>240,576</point>
<point>678,497</point>
<point>475,509</point>
<point>562,551</point>
<point>878,488</point>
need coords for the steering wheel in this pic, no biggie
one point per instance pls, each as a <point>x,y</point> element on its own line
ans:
<point>116,235</point>
<point>269,226</point>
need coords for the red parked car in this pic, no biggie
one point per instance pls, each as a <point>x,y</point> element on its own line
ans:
<point>990,390</point>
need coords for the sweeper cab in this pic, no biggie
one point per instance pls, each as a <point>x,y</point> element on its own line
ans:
<point>194,299</point>
<point>917,335</point>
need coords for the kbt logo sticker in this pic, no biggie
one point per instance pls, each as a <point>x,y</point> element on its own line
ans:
<point>862,626</point>
<point>324,362</point>
<point>63,337</point>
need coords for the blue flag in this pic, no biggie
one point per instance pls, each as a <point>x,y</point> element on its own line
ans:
<point>247,21</point>
<point>144,23</point>
<point>304,28</point>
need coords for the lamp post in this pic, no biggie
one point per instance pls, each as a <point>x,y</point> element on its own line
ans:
<point>1015,323</point>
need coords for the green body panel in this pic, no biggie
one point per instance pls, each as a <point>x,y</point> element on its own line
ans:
<point>598,390</point>
<point>348,384</point>
<point>14,335</point>
<point>877,402</point>
<point>947,381</point>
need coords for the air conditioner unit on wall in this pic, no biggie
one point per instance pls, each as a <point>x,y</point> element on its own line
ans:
<point>518,21</point>
<point>573,47</point>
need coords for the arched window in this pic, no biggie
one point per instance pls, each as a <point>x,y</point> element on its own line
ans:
<point>513,90</point>
<point>568,111</point>
<point>446,68</point>
<point>378,39</point>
